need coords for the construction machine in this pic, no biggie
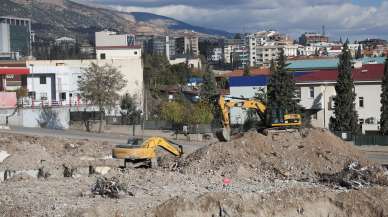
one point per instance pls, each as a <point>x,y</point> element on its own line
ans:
<point>280,122</point>
<point>141,153</point>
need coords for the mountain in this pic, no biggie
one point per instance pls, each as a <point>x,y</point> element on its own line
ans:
<point>57,18</point>
<point>174,24</point>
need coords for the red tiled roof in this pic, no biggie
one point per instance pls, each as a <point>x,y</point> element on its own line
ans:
<point>368,72</point>
<point>254,71</point>
<point>14,71</point>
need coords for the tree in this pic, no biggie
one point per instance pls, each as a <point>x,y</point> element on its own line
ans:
<point>345,119</point>
<point>130,111</point>
<point>247,71</point>
<point>200,113</point>
<point>358,53</point>
<point>100,86</point>
<point>209,87</point>
<point>384,102</point>
<point>280,89</point>
<point>173,112</point>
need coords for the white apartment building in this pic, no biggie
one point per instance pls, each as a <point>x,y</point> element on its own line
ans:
<point>216,55</point>
<point>316,90</point>
<point>56,81</point>
<point>112,39</point>
<point>265,46</point>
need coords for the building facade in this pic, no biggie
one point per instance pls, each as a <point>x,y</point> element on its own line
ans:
<point>15,35</point>
<point>312,37</point>
<point>316,90</point>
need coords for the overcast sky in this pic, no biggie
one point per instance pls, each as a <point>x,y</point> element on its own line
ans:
<point>356,19</point>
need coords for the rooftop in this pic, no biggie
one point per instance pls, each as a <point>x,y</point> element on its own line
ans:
<point>316,64</point>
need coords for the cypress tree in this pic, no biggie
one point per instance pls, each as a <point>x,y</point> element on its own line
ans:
<point>281,89</point>
<point>384,102</point>
<point>209,87</point>
<point>247,71</point>
<point>359,52</point>
<point>345,119</point>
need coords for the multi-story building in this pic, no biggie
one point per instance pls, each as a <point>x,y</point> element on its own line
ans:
<point>110,45</point>
<point>56,82</point>
<point>311,38</point>
<point>216,55</point>
<point>15,35</point>
<point>187,44</point>
<point>265,46</point>
<point>112,39</point>
<point>163,45</point>
<point>316,90</point>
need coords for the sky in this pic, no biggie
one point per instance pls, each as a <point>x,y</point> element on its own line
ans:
<point>353,19</point>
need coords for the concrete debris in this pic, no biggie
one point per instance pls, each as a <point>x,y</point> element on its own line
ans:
<point>3,155</point>
<point>354,176</point>
<point>108,187</point>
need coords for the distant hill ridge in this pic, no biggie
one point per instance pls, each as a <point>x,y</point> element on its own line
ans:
<point>56,18</point>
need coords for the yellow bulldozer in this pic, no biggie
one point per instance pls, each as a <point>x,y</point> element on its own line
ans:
<point>139,153</point>
<point>280,122</point>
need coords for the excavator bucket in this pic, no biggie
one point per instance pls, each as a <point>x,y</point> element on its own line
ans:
<point>223,134</point>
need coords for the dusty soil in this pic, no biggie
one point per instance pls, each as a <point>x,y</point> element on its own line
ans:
<point>269,176</point>
<point>28,152</point>
<point>299,156</point>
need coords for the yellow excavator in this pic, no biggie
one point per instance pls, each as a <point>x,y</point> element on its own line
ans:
<point>141,153</point>
<point>280,122</point>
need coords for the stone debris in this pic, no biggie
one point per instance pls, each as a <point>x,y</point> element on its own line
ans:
<point>3,155</point>
<point>355,176</point>
<point>108,187</point>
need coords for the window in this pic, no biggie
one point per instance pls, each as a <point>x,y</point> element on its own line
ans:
<point>42,79</point>
<point>298,93</point>
<point>361,102</point>
<point>312,92</point>
<point>102,56</point>
<point>32,94</point>
<point>43,96</point>
<point>63,96</point>
<point>70,95</point>
<point>135,52</point>
<point>315,116</point>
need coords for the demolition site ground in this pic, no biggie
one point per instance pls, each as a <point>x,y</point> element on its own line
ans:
<point>307,173</point>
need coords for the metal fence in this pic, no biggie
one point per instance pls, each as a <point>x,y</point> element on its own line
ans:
<point>361,140</point>
<point>370,140</point>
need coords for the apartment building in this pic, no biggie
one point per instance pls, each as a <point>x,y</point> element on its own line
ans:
<point>316,90</point>
<point>15,36</point>
<point>266,46</point>
<point>187,44</point>
<point>312,38</point>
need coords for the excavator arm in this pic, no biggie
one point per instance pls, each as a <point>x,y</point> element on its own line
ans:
<point>288,120</point>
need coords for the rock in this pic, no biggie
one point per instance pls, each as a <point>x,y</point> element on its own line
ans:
<point>3,155</point>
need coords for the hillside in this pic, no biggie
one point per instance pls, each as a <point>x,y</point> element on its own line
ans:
<point>55,18</point>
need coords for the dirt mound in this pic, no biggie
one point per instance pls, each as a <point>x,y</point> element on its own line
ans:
<point>30,152</point>
<point>294,202</point>
<point>299,156</point>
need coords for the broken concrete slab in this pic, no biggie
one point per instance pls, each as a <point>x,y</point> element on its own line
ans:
<point>3,155</point>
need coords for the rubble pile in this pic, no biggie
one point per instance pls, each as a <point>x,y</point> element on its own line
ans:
<point>354,176</point>
<point>108,187</point>
<point>299,156</point>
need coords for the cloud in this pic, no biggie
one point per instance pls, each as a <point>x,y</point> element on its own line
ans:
<point>341,17</point>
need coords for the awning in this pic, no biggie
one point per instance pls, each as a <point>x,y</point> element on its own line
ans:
<point>14,71</point>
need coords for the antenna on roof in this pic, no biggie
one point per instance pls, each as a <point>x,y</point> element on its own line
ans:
<point>323,30</point>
